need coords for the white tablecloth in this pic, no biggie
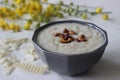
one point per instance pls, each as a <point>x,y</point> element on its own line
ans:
<point>108,68</point>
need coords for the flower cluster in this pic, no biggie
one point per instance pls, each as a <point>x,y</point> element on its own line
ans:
<point>31,7</point>
<point>7,13</point>
<point>42,12</point>
<point>27,25</point>
<point>5,26</point>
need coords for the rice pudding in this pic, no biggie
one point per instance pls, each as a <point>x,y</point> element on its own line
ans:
<point>93,39</point>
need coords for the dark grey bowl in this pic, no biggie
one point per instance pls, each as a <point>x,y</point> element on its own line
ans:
<point>70,64</point>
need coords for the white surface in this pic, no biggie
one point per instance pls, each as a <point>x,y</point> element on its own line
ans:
<point>108,68</point>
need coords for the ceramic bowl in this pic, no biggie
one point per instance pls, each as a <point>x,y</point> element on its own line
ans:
<point>70,64</point>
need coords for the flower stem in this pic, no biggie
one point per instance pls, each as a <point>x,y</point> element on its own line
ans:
<point>78,10</point>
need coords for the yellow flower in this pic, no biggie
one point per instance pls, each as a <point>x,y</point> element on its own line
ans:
<point>7,13</point>
<point>12,26</point>
<point>105,17</point>
<point>3,27</point>
<point>17,28</point>
<point>19,12</point>
<point>35,8</point>
<point>49,11</point>
<point>58,7</point>
<point>2,15</point>
<point>29,22</point>
<point>4,9</point>
<point>84,16</point>
<point>6,26</point>
<point>34,0</point>
<point>2,22</point>
<point>13,16</point>
<point>31,10</point>
<point>6,1</point>
<point>45,1</point>
<point>23,7</point>
<point>24,10</point>
<point>98,10</point>
<point>32,7</point>
<point>27,26</point>
<point>18,1</point>
<point>39,7</point>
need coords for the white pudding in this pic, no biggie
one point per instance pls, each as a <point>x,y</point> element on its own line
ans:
<point>48,41</point>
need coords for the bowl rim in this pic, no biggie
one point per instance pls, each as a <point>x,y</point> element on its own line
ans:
<point>102,31</point>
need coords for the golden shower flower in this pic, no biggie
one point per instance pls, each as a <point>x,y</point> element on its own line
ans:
<point>84,16</point>
<point>49,11</point>
<point>4,9</point>
<point>17,28</point>
<point>105,16</point>
<point>6,26</point>
<point>12,26</point>
<point>19,12</point>
<point>18,2</point>
<point>27,26</point>
<point>98,10</point>
<point>2,22</point>
<point>45,1</point>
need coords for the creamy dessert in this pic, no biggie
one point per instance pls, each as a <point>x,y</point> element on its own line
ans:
<point>70,38</point>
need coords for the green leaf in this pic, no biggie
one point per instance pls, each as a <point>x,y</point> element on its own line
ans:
<point>61,3</point>
<point>60,15</point>
<point>69,14</point>
<point>71,3</point>
<point>93,13</point>
<point>13,5</point>
<point>37,25</point>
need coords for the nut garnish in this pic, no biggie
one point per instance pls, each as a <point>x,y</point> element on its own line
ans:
<point>62,40</point>
<point>82,38</point>
<point>66,37</point>
<point>66,32</point>
<point>59,35</point>
<point>77,40</point>
<point>71,32</point>
<point>70,39</point>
